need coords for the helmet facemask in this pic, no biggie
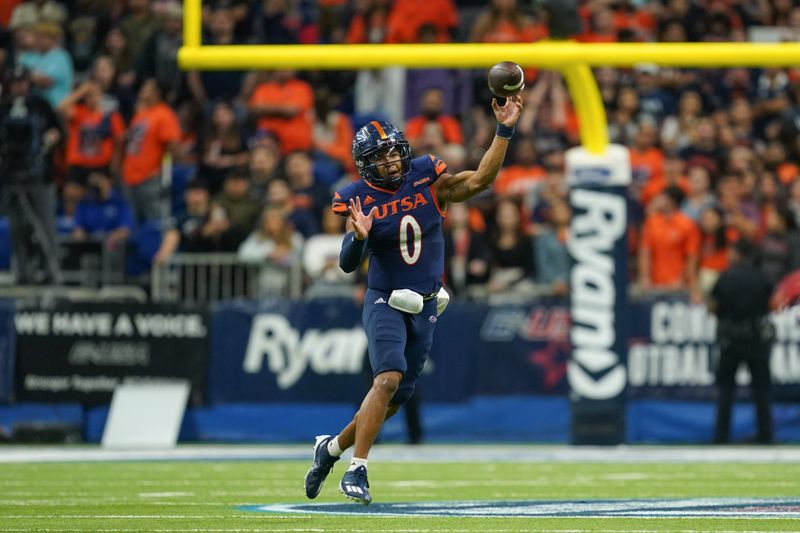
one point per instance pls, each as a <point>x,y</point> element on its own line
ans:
<point>370,163</point>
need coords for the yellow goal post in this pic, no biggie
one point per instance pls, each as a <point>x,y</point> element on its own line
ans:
<point>574,60</point>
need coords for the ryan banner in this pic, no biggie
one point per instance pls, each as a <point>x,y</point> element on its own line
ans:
<point>316,351</point>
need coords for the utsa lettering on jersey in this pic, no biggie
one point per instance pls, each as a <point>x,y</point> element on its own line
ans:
<point>401,236</point>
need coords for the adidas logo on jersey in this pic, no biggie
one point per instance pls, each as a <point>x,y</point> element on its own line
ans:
<point>369,200</point>
<point>423,180</point>
<point>380,301</point>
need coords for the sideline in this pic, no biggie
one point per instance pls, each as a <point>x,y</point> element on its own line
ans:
<point>443,453</point>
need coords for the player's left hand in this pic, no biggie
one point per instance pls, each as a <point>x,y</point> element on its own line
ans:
<point>509,113</point>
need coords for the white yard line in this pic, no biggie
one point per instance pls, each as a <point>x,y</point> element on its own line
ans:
<point>371,530</point>
<point>221,530</point>
<point>425,453</point>
<point>165,494</point>
<point>147,516</point>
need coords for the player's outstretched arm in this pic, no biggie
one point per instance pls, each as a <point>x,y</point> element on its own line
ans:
<point>466,184</point>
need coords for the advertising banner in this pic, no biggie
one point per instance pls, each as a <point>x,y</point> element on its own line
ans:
<point>287,351</point>
<point>7,350</point>
<point>598,293</point>
<point>316,351</point>
<point>78,352</point>
<point>672,352</point>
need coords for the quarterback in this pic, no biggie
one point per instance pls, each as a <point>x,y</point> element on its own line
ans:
<point>394,218</point>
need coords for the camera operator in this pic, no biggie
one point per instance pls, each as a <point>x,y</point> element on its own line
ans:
<point>29,130</point>
<point>740,299</point>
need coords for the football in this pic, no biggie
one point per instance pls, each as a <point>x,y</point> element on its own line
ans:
<point>506,79</point>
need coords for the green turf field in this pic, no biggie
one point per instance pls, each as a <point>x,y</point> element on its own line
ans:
<point>205,496</point>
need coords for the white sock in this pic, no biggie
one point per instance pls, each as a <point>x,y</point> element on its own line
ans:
<point>333,447</point>
<point>356,462</point>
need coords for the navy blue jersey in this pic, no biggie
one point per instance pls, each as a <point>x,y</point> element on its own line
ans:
<point>406,244</point>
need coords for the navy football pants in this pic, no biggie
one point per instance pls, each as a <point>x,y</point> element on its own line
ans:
<point>398,341</point>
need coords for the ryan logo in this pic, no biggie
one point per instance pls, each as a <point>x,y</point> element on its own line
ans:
<point>403,205</point>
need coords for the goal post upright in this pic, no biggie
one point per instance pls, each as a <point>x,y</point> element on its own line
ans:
<point>192,26</point>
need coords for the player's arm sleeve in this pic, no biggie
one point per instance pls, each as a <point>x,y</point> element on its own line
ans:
<point>352,253</point>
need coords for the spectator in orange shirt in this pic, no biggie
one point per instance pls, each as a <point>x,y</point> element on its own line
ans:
<point>94,137</point>
<point>669,247</point>
<point>154,131</point>
<point>431,106</point>
<point>647,159</point>
<point>520,178</point>
<point>6,10</point>
<point>601,28</point>
<point>284,106</point>
<point>369,22</point>
<point>715,241</point>
<point>503,22</point>
<point>673,175</point>
<point>406,17</point>
<point>639,20</point>
<point>776,159</point>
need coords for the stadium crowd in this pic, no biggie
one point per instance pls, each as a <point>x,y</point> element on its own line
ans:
<point>256,155</point>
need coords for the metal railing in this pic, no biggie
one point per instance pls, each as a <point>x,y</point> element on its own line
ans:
<point>210,277</point>
<point>44,294</point>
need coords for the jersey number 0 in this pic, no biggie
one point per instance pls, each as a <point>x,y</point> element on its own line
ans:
<point>410,256</point>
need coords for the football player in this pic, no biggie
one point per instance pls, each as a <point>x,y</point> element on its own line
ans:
<point>394,217</point>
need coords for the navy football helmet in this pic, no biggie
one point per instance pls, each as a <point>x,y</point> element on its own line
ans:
<point>373,140</point>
